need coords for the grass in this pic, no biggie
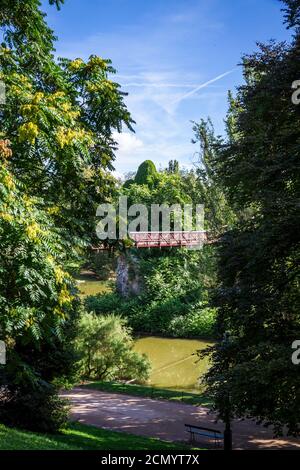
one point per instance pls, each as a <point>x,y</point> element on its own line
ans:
<point>80,437</point>
<point>150,392</point>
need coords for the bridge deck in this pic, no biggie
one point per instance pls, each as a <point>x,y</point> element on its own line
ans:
<point>168,239</point>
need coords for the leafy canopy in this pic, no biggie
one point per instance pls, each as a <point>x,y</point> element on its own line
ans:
<point>258,166</point>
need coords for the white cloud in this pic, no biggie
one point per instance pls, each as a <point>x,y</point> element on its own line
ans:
<point>158,71</point>
<point>128,143</point>
<point>129,149</point>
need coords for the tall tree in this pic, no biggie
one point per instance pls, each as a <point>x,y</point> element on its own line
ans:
<point>56,150</point>
<point>252,373</point>
<point>209,191</point>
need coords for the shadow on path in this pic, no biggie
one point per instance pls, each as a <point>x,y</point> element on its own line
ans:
<point>163,419</point>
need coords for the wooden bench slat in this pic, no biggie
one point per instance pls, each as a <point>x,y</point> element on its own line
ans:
<point>214,431</point>
<point>205,432</point>
<point>208,435</point>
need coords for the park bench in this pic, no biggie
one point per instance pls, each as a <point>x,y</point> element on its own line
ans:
<point>214,434</point>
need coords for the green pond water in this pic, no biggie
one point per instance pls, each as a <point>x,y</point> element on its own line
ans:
<point>88,285</point>
<point>174,363</point>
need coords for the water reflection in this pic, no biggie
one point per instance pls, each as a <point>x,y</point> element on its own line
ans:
<point>174,363</point>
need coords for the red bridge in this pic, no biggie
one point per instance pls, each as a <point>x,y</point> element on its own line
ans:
<point>170,239</point>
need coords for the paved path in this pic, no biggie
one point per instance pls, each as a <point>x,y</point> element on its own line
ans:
<point>162,419</point>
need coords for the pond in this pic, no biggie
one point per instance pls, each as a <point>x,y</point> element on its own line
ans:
<point>89,284</point>
<point>174,363</point>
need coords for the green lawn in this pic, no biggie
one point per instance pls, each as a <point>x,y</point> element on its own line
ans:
<point>80,437</point>
<point>150,392</point>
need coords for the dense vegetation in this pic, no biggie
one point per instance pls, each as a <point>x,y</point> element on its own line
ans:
<point>56,150</point>
<point>105,347</point>
<point>258,299</point>
<point>56,156</point>
<point>175,295</point>
<point>175,285</point>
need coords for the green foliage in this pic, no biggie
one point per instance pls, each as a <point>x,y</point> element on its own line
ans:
<point>146,174</point>
<point>25,29</point>
<point>258,297</point>
<point>56,148</point>
<point>61,137</point>
<point>37,311</point>
<point>176,283</point>
<point>218,212</point>
<point>105,346</point>
<point>38,408</point>
<point>292,13</point>
<point>175,299</point>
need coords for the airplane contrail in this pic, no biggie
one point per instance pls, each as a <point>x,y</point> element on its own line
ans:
<point>203,85</point>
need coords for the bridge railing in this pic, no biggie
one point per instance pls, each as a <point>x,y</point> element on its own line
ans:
<point>168,239</point>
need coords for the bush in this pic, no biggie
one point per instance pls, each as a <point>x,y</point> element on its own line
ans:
<point>103,304</point>
<point>146,173</point>
<point>200,323</point>
<point>38,409</point>
<point>105,346</point>
<point>171,317</point>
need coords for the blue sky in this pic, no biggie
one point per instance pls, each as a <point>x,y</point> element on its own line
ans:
<point>177,59</point>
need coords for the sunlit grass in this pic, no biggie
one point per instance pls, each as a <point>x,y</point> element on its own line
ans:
<point>151,392</point>
<point>79,437</point>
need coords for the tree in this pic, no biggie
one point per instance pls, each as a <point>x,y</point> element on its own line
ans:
<point>218,213</point>
<point>37,309</point>
<point>173,166</point>
<point>106,349</point>
<point>56,150</point>
<point>60,124</point>
<point>258,298</point>
<point>146,173</point>
<point>292,13</point>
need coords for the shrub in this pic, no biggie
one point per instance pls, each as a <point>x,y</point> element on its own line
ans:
<point>105,346</point>
<point>103,304</point>
<point>172,317</point>
<point>37,409</point>
<point>146,173</point>
<point>195,323</point>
